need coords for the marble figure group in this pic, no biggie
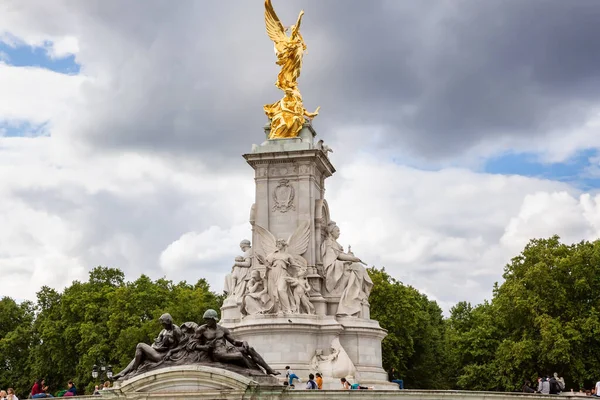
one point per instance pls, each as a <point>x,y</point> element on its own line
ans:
<point>195,344</point>
<point>273,279</point>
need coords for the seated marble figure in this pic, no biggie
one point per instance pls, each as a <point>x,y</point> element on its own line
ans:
<point>146,354</point>
<point>195,344</point>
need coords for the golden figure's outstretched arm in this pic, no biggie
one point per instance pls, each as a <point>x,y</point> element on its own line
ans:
<point>297,26</point>
<point>275,28</point>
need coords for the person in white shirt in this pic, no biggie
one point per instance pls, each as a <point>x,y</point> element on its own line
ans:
<point>543,385</point>
<point>597,388</point>
<point>291,376</point>
<point>11,394</point>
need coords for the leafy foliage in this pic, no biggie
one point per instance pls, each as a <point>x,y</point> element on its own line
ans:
<point>414,345</point>
<point>99,321</point>
<point>544,318</point>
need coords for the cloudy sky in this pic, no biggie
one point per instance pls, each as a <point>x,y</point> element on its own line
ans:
<point>460,129</point>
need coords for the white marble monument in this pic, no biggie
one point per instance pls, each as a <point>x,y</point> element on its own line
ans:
<point>301,300</point>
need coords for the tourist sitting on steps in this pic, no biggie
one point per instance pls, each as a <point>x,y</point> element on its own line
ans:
<point>393,377</point>
<point>39,390</point>
<point>11,394</point>
<point>543,385</point>
<point>319,380</point>
<point>527,387</point>
<point>71,391</point>
<point>311,384</point>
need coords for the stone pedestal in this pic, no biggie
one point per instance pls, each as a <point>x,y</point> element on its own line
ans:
<point>293,340</point>
<point>290,191</point>
<point>290,188</point>
<point>289,340</point>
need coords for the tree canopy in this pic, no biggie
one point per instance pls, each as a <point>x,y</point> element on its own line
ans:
<point>543,318</point>
<point>100,321</point>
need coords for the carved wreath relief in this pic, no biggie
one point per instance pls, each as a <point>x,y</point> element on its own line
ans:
<point>283,196</point>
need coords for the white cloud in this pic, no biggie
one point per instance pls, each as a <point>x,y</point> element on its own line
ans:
<point>37,95</point>
<point>67,208</point>
<point>63,47</point>
<point>440,231</point>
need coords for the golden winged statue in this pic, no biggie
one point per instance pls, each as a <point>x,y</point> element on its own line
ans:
<point>288,114</point>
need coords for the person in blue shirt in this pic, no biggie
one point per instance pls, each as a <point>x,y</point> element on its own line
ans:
<point>72,390</point>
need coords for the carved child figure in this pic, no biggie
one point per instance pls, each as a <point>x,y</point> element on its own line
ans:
<point>300,289</point>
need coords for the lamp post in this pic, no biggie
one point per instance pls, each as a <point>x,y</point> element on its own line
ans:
<point>105,370</point>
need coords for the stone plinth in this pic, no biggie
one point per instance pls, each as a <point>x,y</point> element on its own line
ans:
<point>294,339</point>
<point>189,379</point>
<point>290,188</point>
<point>203,383</point>
<point>289,340</point>
<point>290,179</point>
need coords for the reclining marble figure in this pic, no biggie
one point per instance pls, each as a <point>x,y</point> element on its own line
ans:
<point>167,339</point>
<point>213,339</point>
<point>209,343</point>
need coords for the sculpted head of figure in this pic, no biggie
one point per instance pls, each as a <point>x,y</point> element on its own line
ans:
<point>166,320</point>
<point>245,244</point>
<point>333,229</point>
<point>255,274</point>
<point>210,317</point>
<point>281,244</point>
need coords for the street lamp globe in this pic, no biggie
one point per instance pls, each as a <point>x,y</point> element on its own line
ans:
<point>95,371</point>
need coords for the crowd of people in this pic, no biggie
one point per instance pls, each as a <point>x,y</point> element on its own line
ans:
<point>556,385</point>
<point>315,381</point>
<point>40,390</point>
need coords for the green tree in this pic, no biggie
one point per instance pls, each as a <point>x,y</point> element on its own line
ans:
<point>98,321</point>
<point>414,345</point>
<point>16,338</point>
<point>544,318</point>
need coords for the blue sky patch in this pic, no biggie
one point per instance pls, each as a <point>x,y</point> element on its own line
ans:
<point>23,129</point>
<point>23,55</point>
<point>573,171</point>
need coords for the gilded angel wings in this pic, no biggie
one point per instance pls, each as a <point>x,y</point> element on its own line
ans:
<point>276,30</point>
<point>297,243</point>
